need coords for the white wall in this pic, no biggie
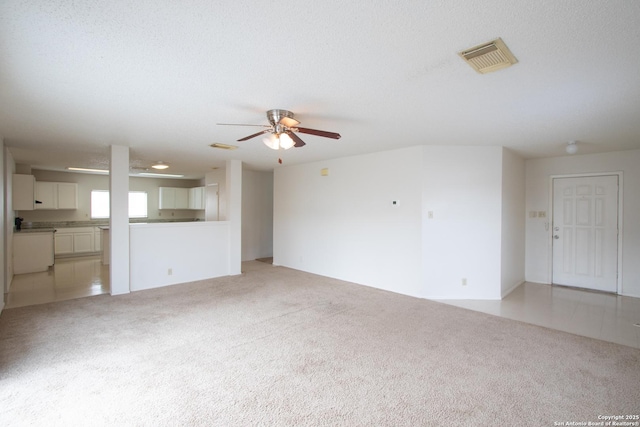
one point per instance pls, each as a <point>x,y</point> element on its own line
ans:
<point>463,189</point>
<point>192,250</point>
<point>234,214</point>
<point>119,247</point>
<point>3,219</point>
<point>88,182</point>
<point>257,215</point>
<point>9,214</point>
<point>538,172</point>
<point>344,225</point>
<point>219,177</point>
<point>513,221</point>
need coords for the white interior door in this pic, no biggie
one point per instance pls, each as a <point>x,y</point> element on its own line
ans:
<point>585,232</point>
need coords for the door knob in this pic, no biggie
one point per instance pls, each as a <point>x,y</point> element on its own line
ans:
<point>556,237</point>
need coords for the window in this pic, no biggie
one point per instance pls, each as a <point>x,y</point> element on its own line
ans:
<point>100,204</point>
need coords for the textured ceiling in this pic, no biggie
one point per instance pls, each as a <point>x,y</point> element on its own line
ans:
<point>158,75</point>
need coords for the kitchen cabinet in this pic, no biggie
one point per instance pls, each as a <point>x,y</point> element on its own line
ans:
<point>63,243</point>
<point>196,198</point>
<point>83,241</point>
<point>32,251</point>
<point>56,195</point>
<point>173,198</point>
<point>67,195</point>
<point>106,245</point>
<point>23,194</point>
<point>75,241</point>
<point>47,195</point>
<point>97,239</point>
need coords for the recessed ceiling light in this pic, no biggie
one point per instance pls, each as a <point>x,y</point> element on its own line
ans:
<point>160,165</point>
<point>88,170</point>
<point>223,146</point>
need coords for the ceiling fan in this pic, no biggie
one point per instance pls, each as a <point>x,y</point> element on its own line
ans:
<point>283,129</point>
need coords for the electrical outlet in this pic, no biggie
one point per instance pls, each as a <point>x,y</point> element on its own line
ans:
<point>542,214</point>
<point>170,272</point>
<point>464,281</point>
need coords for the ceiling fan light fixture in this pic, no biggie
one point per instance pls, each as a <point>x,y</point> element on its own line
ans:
<point>285,141</point>
<point>160,166</point>
<point>272,142</point>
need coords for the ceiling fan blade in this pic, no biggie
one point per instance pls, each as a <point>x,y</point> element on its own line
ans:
<point>241,124</point>
<point>296,139</point>
<point>289,122</point>
<point>254,135</point>
<point>322,133</point>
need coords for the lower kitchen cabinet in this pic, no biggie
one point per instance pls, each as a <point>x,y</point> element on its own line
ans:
<point>78,240</point>
<point>32,252</point>
<point>64,243</point>
<point>97,239</point>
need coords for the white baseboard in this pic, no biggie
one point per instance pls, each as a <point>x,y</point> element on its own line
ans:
<point>511,289</point>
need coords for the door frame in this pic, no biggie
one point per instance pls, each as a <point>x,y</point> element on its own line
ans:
<point>549,227</point>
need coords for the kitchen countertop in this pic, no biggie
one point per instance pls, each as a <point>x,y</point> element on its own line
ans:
<point>95,223</point>
<point>36,230</point>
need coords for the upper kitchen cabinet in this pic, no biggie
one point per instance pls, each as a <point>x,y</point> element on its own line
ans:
<point>23,192</point>
<point>196,198</point>
<point>56,195</point>
<point>67,195</point>
<point>173,198</point>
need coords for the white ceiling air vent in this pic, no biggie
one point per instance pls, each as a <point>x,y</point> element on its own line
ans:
<point>489,57</point>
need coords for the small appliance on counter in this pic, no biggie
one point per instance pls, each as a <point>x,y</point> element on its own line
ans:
<point>18,223</point>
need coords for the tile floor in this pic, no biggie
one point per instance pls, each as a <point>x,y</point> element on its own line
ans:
<point>592,314</point>
<point>597,315</point>
<point>69,278</point>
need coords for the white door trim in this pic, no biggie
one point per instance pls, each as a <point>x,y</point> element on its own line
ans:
<point>549,230</point>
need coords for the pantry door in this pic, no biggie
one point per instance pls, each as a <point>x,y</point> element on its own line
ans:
<point>585,232</point>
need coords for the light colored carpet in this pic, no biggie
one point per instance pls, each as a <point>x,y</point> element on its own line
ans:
<point>276,346</point>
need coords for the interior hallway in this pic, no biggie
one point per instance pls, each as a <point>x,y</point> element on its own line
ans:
<point>596,315</point>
